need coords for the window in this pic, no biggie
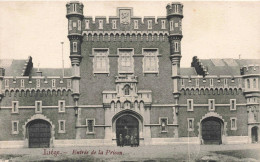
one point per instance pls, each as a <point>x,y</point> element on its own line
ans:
<point>233,104</point>
<point>74,24</point>
<point>248,83</point>
<point>22,83</point>
<point>70,24</point>
<point>197,82</point>
<point>112,105</point>
<point>126,61</point>
<point>74,7</point>
<point>225,82</point>
<point>211,82</point>
<point>100,24</point>
<point>171,26</point>
<point>127,89</point>
<point>79,25</point>
<point>15,106</point>
<point>254,83</point>
<point>62,126</point>
<point>114,24</point>
<point>211,103</point>
<point>176,8</point>
<point>233,123</point>
<point>38,106</point>
<point>176,46</point>
<point>53,83</point>
<point>135,24</point>
<point>164,124</point>
<point>38,83</point>
<point>190,124</point>
<point>190,105</point>
<point>150,25</point>
<point>163,24</point>
<point>86,24</point>
<point>100,61</point>
<point>150,61</point>
<point>61,106</point>
<point>68,83</point>
<point>176,25</point>
<point>75,48</point>
<point>15,127</point>
<point>180,26</point>
<point>90,124</point>
<point>6,83</point>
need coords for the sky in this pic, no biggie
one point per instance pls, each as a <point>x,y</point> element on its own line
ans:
<point>210,29</point>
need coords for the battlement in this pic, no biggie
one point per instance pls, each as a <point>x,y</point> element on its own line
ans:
<point>74,8</point>
<point>199,67</point>
<point>175,9</point>
<point>250,70</point>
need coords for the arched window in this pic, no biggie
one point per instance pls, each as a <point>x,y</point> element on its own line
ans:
<point>118,105</point>
<point>112,105</point>
<point>136,105</point>
<point>248,83</point>
<point>127,89</point>
<point>141,105</point>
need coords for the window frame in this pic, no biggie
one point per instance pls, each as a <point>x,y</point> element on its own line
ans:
<point>163,24</point>
<point>93,125</point>
<point>149,24</point>
<point>87,25</point>
<point>17,127</point>
<point>79,25</point>
<point>209,105</point>
<point>69,83</point>
<point>176,47</point>
<point>188,105</point>
<point>166,124</point>
<point>70,25</point>
<point>171,25</point>
<point>114,24</point>
<point>231,103</point>
<point>53,83</point>
<point>61,110</point>
<point>17,107</point>
<point>188,124</point>
<point>155,59</point>
<point>211,83</point>
<point>38,83</point>
<point>231,125</point>
<point>74,46</point>
<point>100,24</point>
<point>40,108</point>
<point>136,25</point>
<point>97,58</point>
<point>6,83</point>
<point>64,126</point>
<point>130,70</point>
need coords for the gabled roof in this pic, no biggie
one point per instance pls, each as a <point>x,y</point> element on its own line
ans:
<point>188,71</point>
<point>13,67</point>
<point>227,66</point>
<point>52,71</point>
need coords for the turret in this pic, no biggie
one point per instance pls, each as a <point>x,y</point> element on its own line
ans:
<point>174,17</point>
<point>75,16</point>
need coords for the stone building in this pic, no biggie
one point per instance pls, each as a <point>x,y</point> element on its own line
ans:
<point>126,79</point>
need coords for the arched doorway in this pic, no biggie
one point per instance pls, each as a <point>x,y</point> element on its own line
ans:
<point>39,133</point>
<point>128,126</point>
<point>254,134</point>
<point>211,129</point>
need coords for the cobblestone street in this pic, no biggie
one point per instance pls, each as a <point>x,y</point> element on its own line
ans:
<point>248,152</point>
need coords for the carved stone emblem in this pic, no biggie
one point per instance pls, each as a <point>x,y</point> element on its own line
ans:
<point>125,16</point>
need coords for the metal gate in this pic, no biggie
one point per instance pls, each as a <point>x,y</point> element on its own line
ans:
<point>39,134</point>
<point>211,131</point>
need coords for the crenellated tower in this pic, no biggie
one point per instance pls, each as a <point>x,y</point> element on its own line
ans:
<point>75,16</point>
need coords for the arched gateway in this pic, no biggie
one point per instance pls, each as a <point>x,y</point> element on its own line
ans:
<point>39,133</point>
<point>212,130</point>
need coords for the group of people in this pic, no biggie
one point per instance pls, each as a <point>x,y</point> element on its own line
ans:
<point>128,140</point>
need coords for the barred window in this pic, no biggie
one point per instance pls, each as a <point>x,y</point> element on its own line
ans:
<point>150,61</point>
<point>101,61</point>
<point>126,61</point>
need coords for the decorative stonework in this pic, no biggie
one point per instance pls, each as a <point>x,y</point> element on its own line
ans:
<point>36,117</point>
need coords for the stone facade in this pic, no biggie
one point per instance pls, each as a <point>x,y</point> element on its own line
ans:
<point>128,67</point>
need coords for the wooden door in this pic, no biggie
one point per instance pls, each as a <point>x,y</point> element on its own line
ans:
<point>211,131</point>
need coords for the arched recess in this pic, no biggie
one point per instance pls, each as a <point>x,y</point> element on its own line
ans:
<point>213,120</point>
<point>128,115</point>
<point>254,134</point>
<point>33,118</point>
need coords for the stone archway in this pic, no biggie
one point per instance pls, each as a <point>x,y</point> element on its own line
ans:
<point>38,120</point>
<point>127,123</point>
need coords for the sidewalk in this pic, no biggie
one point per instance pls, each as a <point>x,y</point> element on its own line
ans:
<point>170,153</point>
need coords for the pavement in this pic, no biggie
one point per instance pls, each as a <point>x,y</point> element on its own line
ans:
<point>159,153</point>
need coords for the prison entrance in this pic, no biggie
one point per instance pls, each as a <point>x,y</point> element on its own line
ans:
<point>254,134</point>
<point>128,127</point>
<point>211,130</point>
<point>39,134</point>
